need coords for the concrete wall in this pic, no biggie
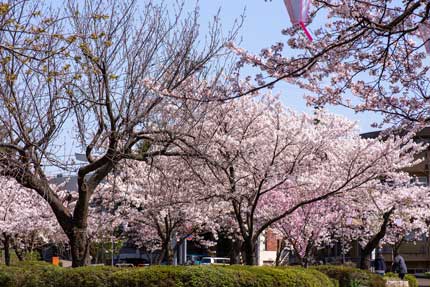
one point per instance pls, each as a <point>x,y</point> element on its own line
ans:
<point>267,246</point>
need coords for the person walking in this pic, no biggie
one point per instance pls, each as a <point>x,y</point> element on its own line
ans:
<point>400,266</point>
<point>379,264</point>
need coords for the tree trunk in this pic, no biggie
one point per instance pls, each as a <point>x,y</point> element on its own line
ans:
<point>305,261</point>
<point>74,225</point>
<point>249,250</point>
<point>236,246</point>
<point>280,246</point>
<point>161,256</point>
<point>364,261</point>
<point>397,245</point>
<point>79,245</point>
<point>169,254</point>
<point>19,254</point>
<point>40,251</point>
<point>310,252</point>
<point>6,245</point>
<point>374,242</point>
<point>166,253</point>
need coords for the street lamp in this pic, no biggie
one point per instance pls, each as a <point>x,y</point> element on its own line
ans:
<point>113,248</point>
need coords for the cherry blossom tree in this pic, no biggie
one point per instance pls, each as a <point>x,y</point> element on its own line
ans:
<point>103,226</point>
<point>26,33</point>
<point>382,214</point>
<point>366,55</point>
<point>385,214</point>
<point>95,80</point>
<point>309,228</point>
<point>26,222</point>
<point>158,203</point>
<point>255,149</point>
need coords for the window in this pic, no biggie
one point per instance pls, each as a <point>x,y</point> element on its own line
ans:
<point>222,261</point>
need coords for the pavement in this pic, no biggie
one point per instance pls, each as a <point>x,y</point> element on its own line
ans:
<point>423,282</point>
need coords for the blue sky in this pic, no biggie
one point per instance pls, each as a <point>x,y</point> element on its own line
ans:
<point>262,27</point>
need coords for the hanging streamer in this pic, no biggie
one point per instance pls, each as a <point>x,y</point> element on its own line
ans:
<point>299,14</point>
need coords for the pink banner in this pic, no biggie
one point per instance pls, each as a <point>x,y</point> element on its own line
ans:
<point>299,14</point>
<point>298,11</point>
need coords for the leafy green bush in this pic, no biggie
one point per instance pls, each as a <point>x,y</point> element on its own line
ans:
<point>413,282</point>
<point>35,263</point>
<point>162,276</point>
<point>220,277</point>
<point>348,276</point>
<point>408,277</point>
<point>30,256</point>
<point>285,276</point>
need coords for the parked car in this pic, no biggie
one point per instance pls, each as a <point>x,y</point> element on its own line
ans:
<point>124,265</point>
<point>194,259</point>
<point>215,261</point>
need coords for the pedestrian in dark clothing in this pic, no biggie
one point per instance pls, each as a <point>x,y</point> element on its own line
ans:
<point>400,266</point>
<point>380,266</point>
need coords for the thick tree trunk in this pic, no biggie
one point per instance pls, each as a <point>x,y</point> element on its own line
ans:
<point>6,246</point>
<point>374,242</point>
<point>74,225</point>
<point>305,262</point>
<point>236,246</point>
<point>169,254</point>
<point>166,253</point>
<point>19,254</point>
<point>249,250</point>
<point>280,246</point>
<point>364,261</point>
<point>308,257</point>
<point>396,247</point>
<point>161,256</point>
<point>79,245</point>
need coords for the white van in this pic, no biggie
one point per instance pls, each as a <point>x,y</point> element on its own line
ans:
<point>215,261</point>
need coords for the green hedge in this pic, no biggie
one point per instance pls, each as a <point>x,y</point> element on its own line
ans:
<point>346,276</point>
<point>31,256</point>
<point>162,276</point>
<point>408,277</point>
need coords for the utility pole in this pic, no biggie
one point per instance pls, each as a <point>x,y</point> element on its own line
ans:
<point>113,248</point>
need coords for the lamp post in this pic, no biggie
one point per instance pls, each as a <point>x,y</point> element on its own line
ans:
<point>113,248</point>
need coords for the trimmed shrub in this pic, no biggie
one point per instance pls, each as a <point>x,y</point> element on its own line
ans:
<point>286,276</point>
<point>27,275</point>
<point>34,263</point>
<point>220,277</point>
<point>162,276</point>
<point>413,282</point>
<point>348,275</point>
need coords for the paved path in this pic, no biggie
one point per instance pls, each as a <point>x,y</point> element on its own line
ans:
<point>424,282</point>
